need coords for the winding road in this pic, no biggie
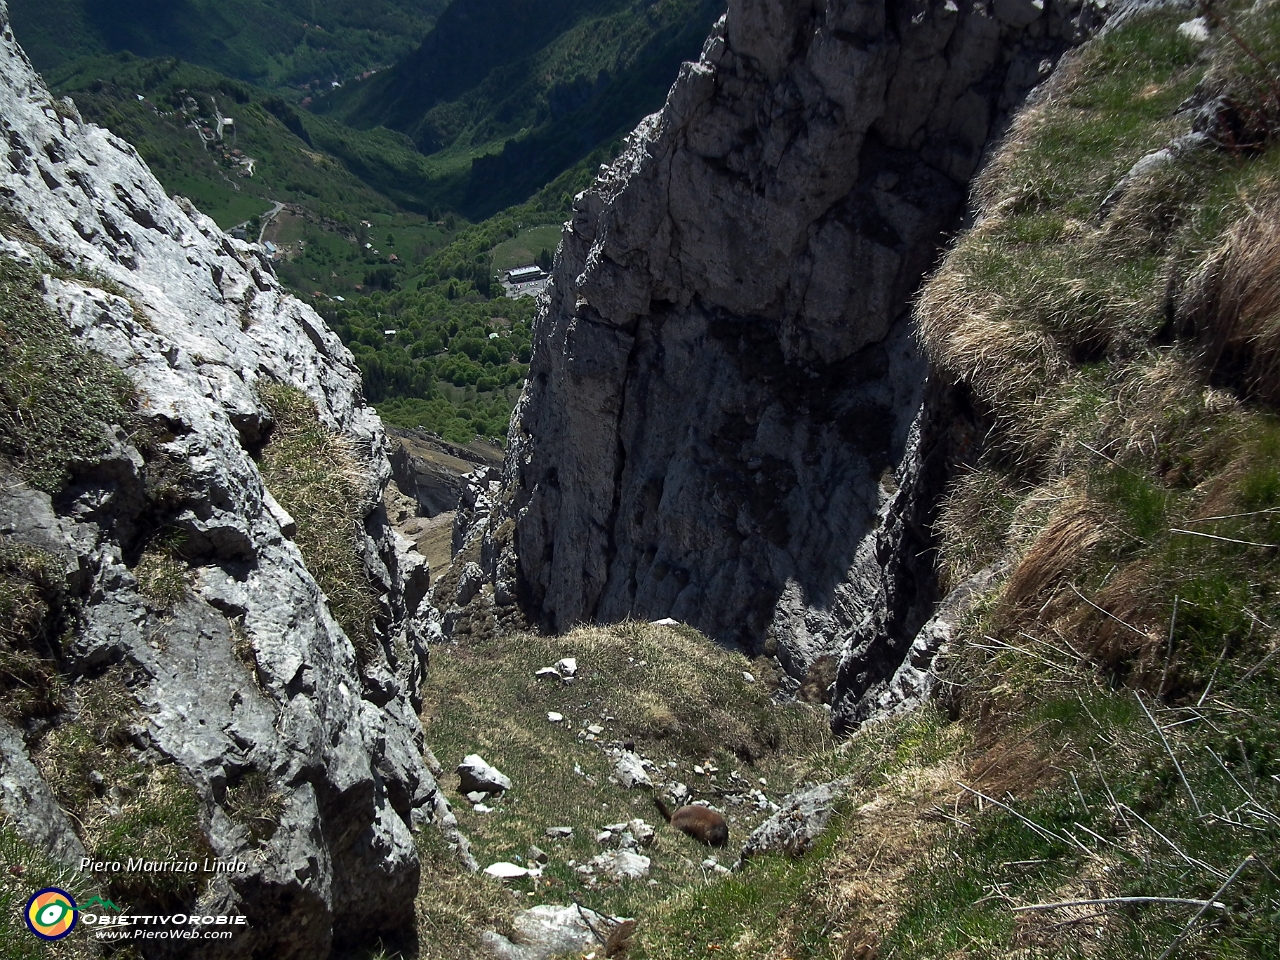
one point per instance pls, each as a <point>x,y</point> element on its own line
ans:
<point>268,217</point>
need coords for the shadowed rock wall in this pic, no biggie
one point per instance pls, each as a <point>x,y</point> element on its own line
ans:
<point>727,420</point>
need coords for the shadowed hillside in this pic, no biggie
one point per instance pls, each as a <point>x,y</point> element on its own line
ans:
<point>539,85</point>
<point>276,42</point>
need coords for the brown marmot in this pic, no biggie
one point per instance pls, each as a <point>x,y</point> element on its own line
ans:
<point>701,823</point>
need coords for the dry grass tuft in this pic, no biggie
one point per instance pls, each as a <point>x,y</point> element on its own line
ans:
<point>162,576</point>
<point>316,476</point>
<point>1232,304</point>
<point>1011,762</point>
<point>816,687</point>
<point>977,337</point>
<point>973,523</point>
<point>1128,628</point>
<point>255,803</point>
<point>1063,546</point>
<point>30,614</point>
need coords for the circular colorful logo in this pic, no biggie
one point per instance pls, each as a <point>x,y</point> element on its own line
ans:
<point>51,913</point>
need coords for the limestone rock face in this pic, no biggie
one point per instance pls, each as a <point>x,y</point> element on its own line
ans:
<point>546,931</point>
<point>726,420</point>
<point>802,819</point>
<point>249,672</point>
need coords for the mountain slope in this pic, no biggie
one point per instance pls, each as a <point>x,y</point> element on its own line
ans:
<point>276,42</point>
<point>542,85</point>
<point>215,626</point>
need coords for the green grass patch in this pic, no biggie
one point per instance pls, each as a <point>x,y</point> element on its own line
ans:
<point>162,574</point>
<point>1118,822</point>
<point>526,247</point>
<point>32,620</point>
<point>56,398</point>
<point>24,870</point>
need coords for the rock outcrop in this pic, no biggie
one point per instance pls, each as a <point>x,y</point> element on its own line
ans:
<point>727,419</point>
<point>550,930</point>
<point>433,471</point>
<point>248,674</point>
<point>802,819</point>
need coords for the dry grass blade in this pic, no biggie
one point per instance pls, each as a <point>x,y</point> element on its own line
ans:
<point>1210,536</point>
<point>1168,749</point>
<point>1233,305</point>
<point>1042,831</point>
<point>1108,901</point>
<point>1211,902</point>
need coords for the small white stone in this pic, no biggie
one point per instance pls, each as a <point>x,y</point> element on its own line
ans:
<point>555,717</point>
<point>748,677</point>
<point>505,871</point>
<point>1197,30</point>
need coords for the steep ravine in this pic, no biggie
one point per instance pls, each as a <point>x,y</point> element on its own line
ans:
<point>727,419</point>
<point>244,677</point>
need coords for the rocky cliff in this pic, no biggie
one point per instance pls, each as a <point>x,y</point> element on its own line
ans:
<point>300,751</point>
<point>727,419</point>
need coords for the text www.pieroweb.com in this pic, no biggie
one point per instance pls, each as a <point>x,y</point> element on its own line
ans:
<point>137,933</point>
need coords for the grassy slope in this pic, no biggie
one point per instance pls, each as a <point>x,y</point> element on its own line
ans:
<point>1107,729</point>
<point>526,247</point>
<point>106,89</point>
<point>273,42</point>
<point>682,700</point>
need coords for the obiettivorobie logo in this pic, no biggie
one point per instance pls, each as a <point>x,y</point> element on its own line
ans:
<point>51,913</point>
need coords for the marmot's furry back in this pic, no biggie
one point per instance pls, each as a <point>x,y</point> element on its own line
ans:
<point>701,823</point>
